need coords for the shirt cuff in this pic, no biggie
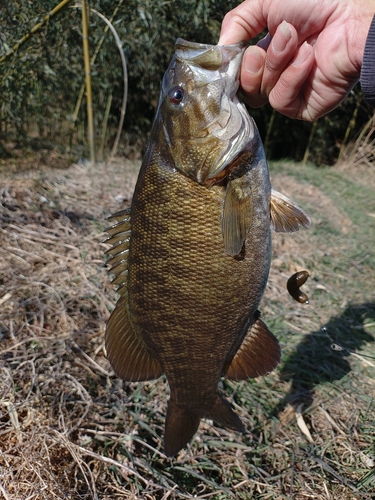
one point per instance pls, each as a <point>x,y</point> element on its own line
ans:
<point>367,78</point>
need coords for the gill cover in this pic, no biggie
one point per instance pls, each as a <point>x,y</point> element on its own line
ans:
<point>205,125</point>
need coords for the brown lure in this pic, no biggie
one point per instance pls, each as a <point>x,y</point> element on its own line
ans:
<point>294,284</point>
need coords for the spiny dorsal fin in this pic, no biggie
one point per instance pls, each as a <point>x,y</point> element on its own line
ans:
<point>120,239</point>
<point>125,350</point>
<point>286,216</point>
<point>121,215</point>
<point>258,354</point>
<point>236,216</point>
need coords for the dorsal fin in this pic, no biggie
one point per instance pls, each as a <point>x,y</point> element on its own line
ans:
<point>121,215</point>
<point>236,216</point>
<point>125,349</point>
<point>120,239</point>
<point>258,354</point>
<point>286,216</point>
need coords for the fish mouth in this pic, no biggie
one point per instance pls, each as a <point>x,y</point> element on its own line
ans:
<point>232,127</point>
<point>225,59</point>
<point>209,57</point>
<point>210,62</point>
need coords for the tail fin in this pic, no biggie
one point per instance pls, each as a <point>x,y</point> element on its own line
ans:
<point>222,413</point>
<point>181,424</point>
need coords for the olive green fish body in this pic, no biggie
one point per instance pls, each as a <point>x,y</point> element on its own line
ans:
<point>192,255</point>
<point>190,301</point>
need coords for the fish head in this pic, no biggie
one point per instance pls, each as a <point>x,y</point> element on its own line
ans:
<point>204,124</point>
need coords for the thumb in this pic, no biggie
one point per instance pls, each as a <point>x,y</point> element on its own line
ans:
<point>242,23</point>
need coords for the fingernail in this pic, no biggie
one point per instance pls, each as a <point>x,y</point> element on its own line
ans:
<point>264,43</point>
<point>303,54</point>
<point>253,61</point>
<point>281,37</point>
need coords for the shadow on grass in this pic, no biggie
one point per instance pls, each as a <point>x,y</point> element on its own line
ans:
<point>321,357</point>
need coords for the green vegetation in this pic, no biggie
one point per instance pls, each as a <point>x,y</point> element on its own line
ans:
<point>41,83</point>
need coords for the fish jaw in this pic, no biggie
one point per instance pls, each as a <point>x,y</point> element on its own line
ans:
<point>205,60</point>
<point>205,126</point>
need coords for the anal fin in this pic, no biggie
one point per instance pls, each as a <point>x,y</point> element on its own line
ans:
<point>258,354</point>
<point>125,349</point>
<point>286,216</point>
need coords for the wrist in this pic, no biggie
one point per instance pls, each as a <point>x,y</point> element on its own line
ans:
<point>367,78</point>
<point>360,25</point>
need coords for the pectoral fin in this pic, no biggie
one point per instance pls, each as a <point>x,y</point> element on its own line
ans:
<point>286,216</point>
<point>258,354</point>
<point>125,349</point>
<point>236,216</point>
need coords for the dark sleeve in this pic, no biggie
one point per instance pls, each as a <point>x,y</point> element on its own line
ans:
<point>368,67</point>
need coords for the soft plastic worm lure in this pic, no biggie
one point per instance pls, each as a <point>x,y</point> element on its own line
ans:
<point>294,284</point>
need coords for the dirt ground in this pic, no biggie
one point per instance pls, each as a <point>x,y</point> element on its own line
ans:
<point>71,430</point>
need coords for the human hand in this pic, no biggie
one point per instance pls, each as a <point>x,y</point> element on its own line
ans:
<point>314,54</point>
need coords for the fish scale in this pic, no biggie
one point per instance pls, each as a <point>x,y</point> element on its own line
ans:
<point>183,241</point>
<point>199,246</point>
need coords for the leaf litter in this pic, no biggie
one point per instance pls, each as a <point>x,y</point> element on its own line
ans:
<point>69,429</point>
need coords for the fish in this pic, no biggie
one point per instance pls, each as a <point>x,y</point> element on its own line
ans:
<point>191,256</point>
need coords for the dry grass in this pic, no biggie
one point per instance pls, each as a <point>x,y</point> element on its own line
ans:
<point>71,430</point>
<point>359,154</point>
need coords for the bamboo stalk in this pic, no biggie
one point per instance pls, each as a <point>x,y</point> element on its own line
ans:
<point>125,73</point>
<point>93,58</point>
<point>86,55</point>
<point>350,127</point>
<point>104,126</point>
<point>34,30</point>
<point>309,142</point>
<point>78,103</point>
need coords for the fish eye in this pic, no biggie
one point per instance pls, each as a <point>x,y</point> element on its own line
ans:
<point>176,95</point>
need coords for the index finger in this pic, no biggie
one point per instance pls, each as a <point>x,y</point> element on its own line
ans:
<point>242,23</point>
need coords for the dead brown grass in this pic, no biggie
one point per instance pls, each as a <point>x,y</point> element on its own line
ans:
<point>71,430</point>
<point>55,298</point>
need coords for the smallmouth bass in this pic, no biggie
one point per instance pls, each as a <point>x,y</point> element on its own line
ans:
<point>192,255</point>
